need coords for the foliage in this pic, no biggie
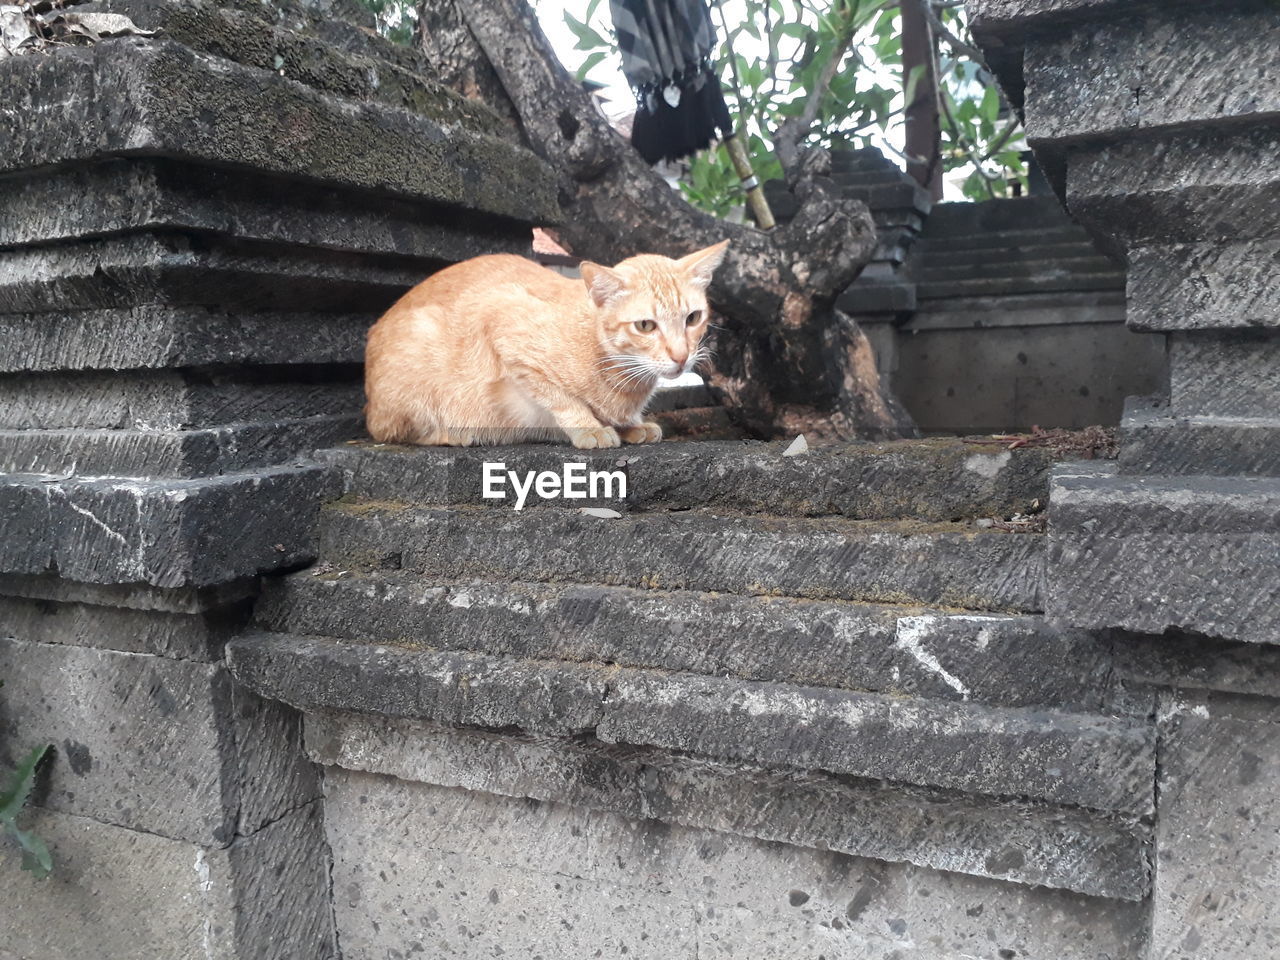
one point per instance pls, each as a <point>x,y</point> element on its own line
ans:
<point>396,19</point>
<point>771,58</point>
<point>35,854</point>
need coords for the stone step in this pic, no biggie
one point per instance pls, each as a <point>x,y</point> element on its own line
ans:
<point>174,269</point>
<point>1027,237</point>
<point>1013,661</point>
<point>934,480</point>
<point>1153,554</point>
<point>698,423</point>
<point>945,564</point>
<point>171,453</point>
<point>1009,286</point>
<point>1224,375</point>
<point>1024,268</point>
<point>1029,843</point>
<point>1154,443</point>
<point>944,256</point>
<point>1021,302</point>
<point>1021,213</point>
<point>1072,759</point>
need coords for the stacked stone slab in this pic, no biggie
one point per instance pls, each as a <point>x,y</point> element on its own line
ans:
<point>196,228</point>
<point>1159,125</point>
<point>767,698</point>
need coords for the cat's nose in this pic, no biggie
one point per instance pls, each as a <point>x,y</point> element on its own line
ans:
<point>679,357</point>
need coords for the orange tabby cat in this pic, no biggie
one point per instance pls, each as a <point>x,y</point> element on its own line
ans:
<point>498,348</point>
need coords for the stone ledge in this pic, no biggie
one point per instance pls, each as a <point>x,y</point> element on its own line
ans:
<point>206,452</point>
<point>1064,758</point>
<point>930,480</point>
<point>1154,443</point>
<point>167,533</point>
<point>906,562</point>
<point>151,402</point>
<point>155,336</point>
<point>247,37</point>
<point>155,97</point>
<point>1227,375</point>
<point>1023,843</point>
<point>149,193</point>
<point>1205,286</point>
<point>1200,554</point>
<point>172,268</point>
<point>1081,81</point>
<point>903,651</point>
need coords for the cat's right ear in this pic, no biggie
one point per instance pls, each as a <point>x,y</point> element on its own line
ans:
<point>604,285</point>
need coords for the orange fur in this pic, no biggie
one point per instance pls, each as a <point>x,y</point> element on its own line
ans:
<point>498,349</point>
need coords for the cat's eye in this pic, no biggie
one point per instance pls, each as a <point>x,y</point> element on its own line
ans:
<point>646,326</point>
<point>693,319</point>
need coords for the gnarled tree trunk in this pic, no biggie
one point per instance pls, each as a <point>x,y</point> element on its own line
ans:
<point>786,360</point>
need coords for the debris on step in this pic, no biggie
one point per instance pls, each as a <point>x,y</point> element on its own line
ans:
<point>798,448</point>
<point>1089,443</point>
<point>604,513</point>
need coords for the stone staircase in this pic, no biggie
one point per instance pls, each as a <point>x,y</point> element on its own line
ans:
<point>841,651</point>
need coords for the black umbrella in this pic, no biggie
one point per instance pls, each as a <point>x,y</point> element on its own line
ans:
<point>667,46</point>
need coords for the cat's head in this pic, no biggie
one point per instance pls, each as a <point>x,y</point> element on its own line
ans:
<point>652,312</point>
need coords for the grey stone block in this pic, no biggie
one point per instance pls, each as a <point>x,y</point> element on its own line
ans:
<point>1152,444</point>
<point>1218,828</point>
<point>1026,843</point>
<point>179,269</point>
<point>154,97</point>
<point>947,564</point>
<point>144,403</point>
<point>1198,663</point>
<point>1064,758</point>
<point>1180,188</point>
<point>294,43</point>
<point>1108,279</point>
<point>138,739</point>
<point>731,896</point>
<point>1207,286</point>
<point>181,636</point>
<point>1012,661</point>
<point>167,533</point>
<point>132,195</point>
<point>119,894</point>
<point>942,479</point>
<point>1117,76</point>
<point>1147,554</point>
<point>312,673</point>
<point>1060,757</point>
<point>210,600</point>
<point>180,453</point>
<point>1231,375</point>
<point>156,336</point>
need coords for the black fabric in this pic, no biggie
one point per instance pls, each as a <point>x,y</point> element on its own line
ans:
<point>666,55</point>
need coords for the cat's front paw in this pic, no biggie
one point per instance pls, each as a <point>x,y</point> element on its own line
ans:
<point>647,432</point>
<point>593,438</point>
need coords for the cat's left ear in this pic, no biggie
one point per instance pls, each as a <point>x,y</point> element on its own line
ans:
<point>701,265</point>
<point>604,285</point>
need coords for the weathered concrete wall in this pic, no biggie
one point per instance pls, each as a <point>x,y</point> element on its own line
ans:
<point>196,229</point>
<point>1159,126</point>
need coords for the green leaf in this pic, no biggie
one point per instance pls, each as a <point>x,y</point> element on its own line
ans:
<point>591,10</point>
<point>589,64</point>
<point>36,858</point>
<point>15,796</point>
<point>588,39</point>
